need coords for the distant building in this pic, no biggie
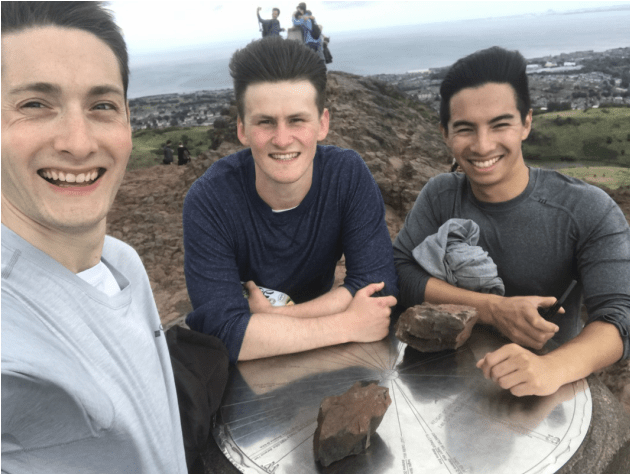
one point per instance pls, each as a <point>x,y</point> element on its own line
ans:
<point>569,63</point>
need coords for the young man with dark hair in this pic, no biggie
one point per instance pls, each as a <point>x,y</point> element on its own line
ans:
<point>87,384</point>
<point>270,27</point>
<point>280,214</point>
<point>542,230</point>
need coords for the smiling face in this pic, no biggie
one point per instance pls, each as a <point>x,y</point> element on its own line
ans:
<point>66,137</point>
<point>485,133</point>
<point>282,126</point>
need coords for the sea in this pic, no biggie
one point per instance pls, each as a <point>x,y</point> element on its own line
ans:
<point>398,50</point>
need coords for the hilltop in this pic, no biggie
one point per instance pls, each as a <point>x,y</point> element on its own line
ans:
<point>396,135</point>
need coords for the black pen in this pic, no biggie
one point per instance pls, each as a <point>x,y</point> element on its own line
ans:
<point>552,311</point>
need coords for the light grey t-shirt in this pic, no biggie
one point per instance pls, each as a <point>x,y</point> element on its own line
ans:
<point>87,384</point>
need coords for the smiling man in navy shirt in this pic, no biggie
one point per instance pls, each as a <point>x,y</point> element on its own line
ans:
<point>280,214</point>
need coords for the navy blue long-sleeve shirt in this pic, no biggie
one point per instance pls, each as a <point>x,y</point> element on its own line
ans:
<point>231,236</point>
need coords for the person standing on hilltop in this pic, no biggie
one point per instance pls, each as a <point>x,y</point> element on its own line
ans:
<point>168,153</point>
<point>270,27</point>
<point>183,154</point>
<point>310,30</point>
<point>87,381</point>
<point>543,230</point>
<point>280,214</point>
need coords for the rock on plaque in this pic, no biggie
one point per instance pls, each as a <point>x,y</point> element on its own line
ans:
<point>346,422</point>
<point>430,328</point>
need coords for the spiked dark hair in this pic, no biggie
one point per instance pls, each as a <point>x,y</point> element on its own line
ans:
<point>492,65</point>
<point>273,59</point>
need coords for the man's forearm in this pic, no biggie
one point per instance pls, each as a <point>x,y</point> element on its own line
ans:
<point>440,292</point>
<point>598,345</point>
<point>271,335</point>
<point>335,301</point>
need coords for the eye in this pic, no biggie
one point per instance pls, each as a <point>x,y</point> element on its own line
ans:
<point>33,105</point>
<point>264,122</point>
<point>503,124</point>
<point>105,106</point>
<point>463,130</point>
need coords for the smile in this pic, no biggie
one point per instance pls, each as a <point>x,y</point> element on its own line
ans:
<point>66,179</point>
<point>284,156</point>
<point>486,163</point>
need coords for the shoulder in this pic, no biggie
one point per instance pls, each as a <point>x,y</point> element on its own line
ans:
<point>443,185</point>
<point>336,160</point>
<point>222,176</point>
<point>574,195</point>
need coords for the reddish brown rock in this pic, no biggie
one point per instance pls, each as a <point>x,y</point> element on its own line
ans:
<point>346,422</point>
<point>431,328</point>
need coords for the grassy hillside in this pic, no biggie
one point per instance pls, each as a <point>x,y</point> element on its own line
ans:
<point>596,135</point>
<point>610,177</point>
<point>147,150</point>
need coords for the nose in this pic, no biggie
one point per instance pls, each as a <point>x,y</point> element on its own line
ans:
<point>74,134</point>
<point>283,136</point>
<point>483,143</point>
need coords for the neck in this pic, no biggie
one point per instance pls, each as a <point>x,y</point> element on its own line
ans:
<point>75,249</point>
<point>280,196</point>
<point>505,190</point>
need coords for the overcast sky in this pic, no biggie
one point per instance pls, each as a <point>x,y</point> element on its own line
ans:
<point>160,26</point>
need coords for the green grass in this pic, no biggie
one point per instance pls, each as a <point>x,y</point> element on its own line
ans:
<point>611,177</point>
<point>147,144</point>
<point>600,135</point>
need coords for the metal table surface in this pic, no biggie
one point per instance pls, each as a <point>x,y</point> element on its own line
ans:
<point>444,417</point>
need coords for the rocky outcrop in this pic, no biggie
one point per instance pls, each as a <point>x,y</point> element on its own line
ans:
<point>346,422</point>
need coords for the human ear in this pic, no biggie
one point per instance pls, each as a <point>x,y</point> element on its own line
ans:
<point>444,133</point>
<point>527,125</point>
<point>324,125</point>
<point>241,132</point>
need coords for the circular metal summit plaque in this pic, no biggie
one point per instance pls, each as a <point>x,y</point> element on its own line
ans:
<point>444,417</point>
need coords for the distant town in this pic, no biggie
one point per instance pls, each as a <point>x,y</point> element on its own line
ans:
<point>579,80</point>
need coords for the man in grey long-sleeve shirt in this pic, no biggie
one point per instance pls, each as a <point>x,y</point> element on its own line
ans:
<point>542,229</point>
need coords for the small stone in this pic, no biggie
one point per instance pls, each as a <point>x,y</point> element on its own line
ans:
<point>431,328</point>
<point>346,422</point>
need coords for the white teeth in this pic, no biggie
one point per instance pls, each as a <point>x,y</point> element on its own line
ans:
<point>284,156</point>
<point>58,175</point>
<point>485,164</point>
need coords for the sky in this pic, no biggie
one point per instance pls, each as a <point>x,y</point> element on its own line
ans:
<point>157,26</point>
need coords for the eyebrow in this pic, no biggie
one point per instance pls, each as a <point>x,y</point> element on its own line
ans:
<point>499,118</point>
<point>270,117</point>
<point>53,89</point>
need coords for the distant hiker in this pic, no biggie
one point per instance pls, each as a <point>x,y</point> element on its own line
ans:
<point>280,214</point>
<point>270,27</point>
<point>168,154</point>
<point>310,30</point>
<point>183,154</point>
<point>87,381</point>
<point>542,230</point>
<point>328,57</point>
